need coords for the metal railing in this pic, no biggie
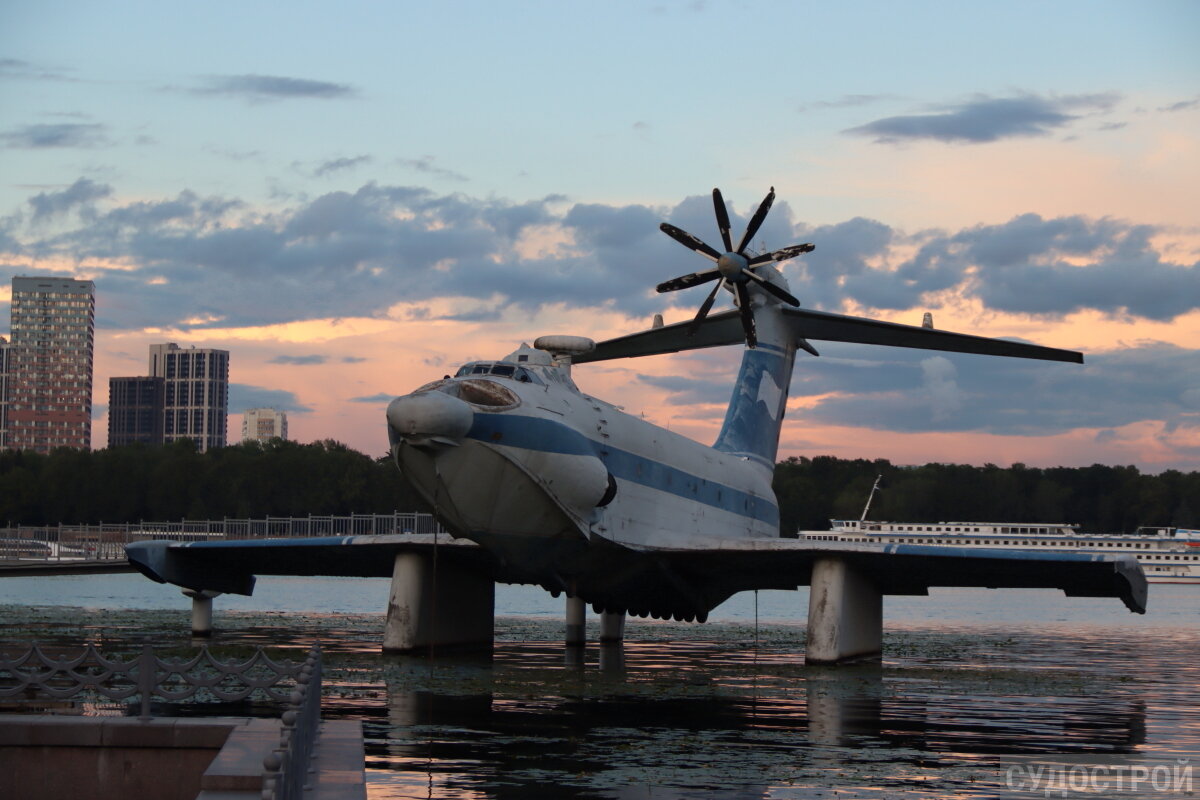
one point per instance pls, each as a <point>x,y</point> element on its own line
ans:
<point>146,675</point>
<point>287,771</point>
<point>106,541</point>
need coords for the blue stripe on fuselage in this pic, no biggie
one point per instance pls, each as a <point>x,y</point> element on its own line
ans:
<point>551,436</point>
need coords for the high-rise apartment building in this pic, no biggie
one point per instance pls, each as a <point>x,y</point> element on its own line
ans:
<point>135,411</point>
<point>49,386</point>
<point>195,393</point>
<point>263,424</point>
<point>4,350</point>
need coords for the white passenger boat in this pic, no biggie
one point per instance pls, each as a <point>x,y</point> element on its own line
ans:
<point>1168,555</point>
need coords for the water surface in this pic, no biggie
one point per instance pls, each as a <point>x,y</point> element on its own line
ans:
<point>972,682</point>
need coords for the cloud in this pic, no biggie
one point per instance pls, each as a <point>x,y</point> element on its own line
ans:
<point>361,253</point>
<point>986,119</point>
<point>81,194</point>
<point>1182,105</point>
<point>940,382</point>
<point>259,88</point>
<point>1028,265</point>
<point>42,136</point>
<point>916,393</point>
<point>382,397</point>
<point>352,360</point>
<point>24,70</point>
<point>425,165</point>
<point>689,390</point>
<point>300,361</point>
<point>339,165</point>
<point>848,101</point>
<point>243,397</point>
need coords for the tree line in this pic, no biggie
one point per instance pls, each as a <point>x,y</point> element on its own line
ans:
<point>171,482</point>
<point>282,478</point>
<point>1101,499</point>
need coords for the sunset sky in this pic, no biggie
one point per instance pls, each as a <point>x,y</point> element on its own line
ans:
<point>354,198</point>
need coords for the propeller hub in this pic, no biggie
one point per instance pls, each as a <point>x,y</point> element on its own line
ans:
<point>731,266</point>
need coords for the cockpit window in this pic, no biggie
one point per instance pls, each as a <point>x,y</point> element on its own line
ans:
<point>479,392</point>
<point>488,394</point>
<point>500,370</point>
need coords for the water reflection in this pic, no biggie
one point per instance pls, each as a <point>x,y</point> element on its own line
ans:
<point>718,710</point>
<point>669,719</point>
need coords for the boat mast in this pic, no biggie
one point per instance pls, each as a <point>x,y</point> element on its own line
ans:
<point>871,496</point>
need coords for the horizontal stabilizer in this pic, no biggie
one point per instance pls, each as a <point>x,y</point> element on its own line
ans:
<point>827,327</point>
<point>715,330</point>
<point>726,329</point>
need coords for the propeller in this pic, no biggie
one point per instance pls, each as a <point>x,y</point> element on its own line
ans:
<point>734,269</point>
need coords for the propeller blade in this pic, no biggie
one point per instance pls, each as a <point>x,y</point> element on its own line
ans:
<point>770,287</point>
<point>704,308</point>
<point>688,281</point>
<point>747,314</point>
<point>688,241</point>
<point>783,254</point>
<point>722,219</point>
<point>756,221</point>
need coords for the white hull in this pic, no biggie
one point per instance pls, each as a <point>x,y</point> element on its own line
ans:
<point>1167,555</point>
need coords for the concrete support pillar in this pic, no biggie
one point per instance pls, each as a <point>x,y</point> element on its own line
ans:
<point>845,615</point>
<point>202,613</point>
<point>576,622</point>
<point>612,627</point>
<point>453,608</point>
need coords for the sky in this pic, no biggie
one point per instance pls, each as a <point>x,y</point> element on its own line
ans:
<point>354,198</point>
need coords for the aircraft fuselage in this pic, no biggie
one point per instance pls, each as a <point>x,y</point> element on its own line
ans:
<point>564,486</point>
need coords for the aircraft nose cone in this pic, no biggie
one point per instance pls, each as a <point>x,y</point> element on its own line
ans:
<point>429,417</point>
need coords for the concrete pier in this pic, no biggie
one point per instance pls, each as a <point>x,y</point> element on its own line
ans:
<point>432,608</point>
<point>845,614</point>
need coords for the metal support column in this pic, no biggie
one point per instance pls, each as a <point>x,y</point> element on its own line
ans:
<point>576,622</point>
<point>202,611</point>
<point>612,627</point>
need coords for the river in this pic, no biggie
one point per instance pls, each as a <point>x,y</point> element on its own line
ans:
<point>981,693</point>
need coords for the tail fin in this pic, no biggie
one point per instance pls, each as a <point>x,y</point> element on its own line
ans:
<point>755,414</point>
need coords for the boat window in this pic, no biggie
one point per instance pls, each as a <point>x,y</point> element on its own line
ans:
<point>503,370</point>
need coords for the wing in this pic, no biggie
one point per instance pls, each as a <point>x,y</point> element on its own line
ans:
<point>718,570</point>
<point>725,329</point>
<point>708,572</point>
<point>231,566</point>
